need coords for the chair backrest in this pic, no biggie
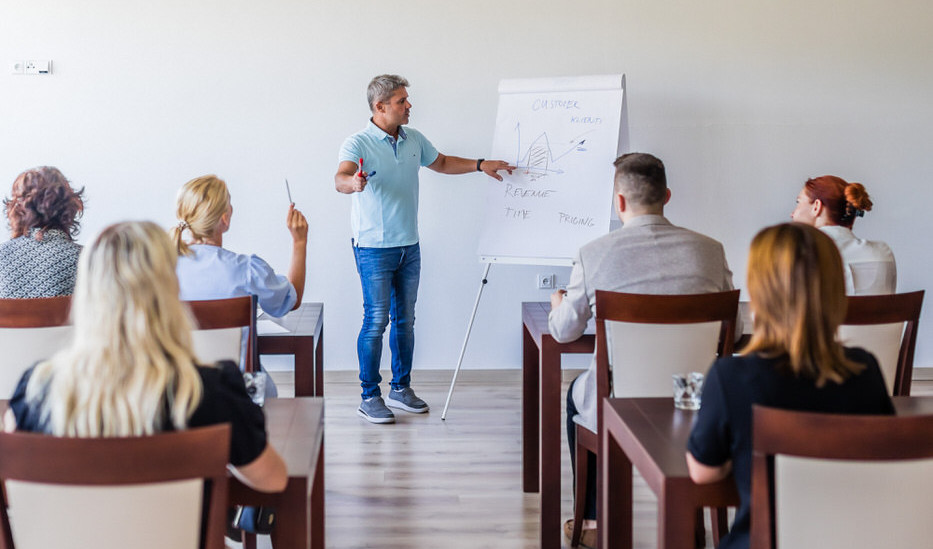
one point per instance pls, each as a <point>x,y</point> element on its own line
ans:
<point>30,330</point>
<point>840,481</point>
<point>871,277</point>
<point>886,326</point>
<point>166,490</point>
<point>642,340</point>
<point>225,328</point>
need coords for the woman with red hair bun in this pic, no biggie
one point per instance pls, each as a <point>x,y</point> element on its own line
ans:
<point>831,204</point>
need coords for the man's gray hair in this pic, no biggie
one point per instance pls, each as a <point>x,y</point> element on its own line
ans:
<point>382,87</point>
<point>640,178</point>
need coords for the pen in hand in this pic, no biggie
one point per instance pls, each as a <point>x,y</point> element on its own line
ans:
<point>289,191</point>
<point>362,174</point>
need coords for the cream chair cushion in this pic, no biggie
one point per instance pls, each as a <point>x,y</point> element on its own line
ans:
<point>23,347</point>
<point>211,346</point>
<point>645,356</point>
<point>835,504</point>
<point>881,340</point>
<point>144,516</point>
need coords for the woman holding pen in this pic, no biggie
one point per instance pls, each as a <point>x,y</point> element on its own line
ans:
<point>207,270</point>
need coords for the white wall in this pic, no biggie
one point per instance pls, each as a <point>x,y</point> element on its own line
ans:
<point>742,99</point>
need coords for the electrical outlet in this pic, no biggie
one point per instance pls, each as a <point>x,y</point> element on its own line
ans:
<point>17,67</point>
<point>38,67</point>
<point>545,281</point>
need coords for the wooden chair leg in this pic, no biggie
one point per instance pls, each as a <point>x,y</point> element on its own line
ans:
<point>699,531</point>
<point>720,520</point>
<point>581,456</point>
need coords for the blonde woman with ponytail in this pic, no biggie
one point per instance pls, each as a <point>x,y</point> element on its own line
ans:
<point>793,360</point>
<point>831,204</point>
<point>206,270</point>
<point>130,369</point>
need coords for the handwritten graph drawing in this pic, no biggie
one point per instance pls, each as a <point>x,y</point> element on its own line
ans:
<point>539,156</point>
<point>562,135</point>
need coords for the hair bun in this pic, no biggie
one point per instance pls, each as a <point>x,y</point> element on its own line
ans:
<point>857,197</point>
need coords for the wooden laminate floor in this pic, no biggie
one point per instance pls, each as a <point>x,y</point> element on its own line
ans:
<point>423,482</point>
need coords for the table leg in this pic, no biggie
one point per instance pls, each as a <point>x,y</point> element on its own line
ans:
<point>529,413</point>
<point>319,365</point>
<point>615,519</point>
<point>291,523</point>
<point>677,519</point>
<point>549,431</point>
<point>304,367</point>
<point>317,504</point>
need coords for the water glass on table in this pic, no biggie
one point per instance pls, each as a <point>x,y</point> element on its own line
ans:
<point>256,386</point>
<point>688,388</point>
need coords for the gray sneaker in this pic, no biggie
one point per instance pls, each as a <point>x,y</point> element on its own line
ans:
<point>374,410</point>
<point>407,400</point>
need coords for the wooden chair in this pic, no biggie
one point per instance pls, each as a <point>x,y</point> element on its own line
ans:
<point>30,330</point>
<point>886,326</point>
<point>220,332</point>
<point>154,492</point>
<point>641,341</point>
<point>840,481</point>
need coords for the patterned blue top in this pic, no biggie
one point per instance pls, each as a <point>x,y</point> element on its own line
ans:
<point>38,268</point>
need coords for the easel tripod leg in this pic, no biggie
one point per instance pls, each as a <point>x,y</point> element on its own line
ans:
<point>466,339</point>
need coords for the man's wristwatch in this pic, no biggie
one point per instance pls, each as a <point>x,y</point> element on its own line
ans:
<point>478,162</point>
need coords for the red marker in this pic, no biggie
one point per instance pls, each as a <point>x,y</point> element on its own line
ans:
<point>360,173</point>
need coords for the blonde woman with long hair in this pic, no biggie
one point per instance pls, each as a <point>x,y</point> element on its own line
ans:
<point>793,360</point>
<point>206,270</point>
<point>130,369</point>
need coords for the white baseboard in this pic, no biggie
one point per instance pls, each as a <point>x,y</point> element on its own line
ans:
<point>444,376</point>
<point>923,374</point>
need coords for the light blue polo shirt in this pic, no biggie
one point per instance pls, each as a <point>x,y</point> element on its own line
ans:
<point>385,214</point>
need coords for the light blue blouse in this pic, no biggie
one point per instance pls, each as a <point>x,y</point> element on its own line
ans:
<point>215,273</point>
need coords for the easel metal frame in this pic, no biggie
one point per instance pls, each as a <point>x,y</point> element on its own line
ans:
<point>559,262</point>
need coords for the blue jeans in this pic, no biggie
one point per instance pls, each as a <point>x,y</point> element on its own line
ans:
<point>389,277</point>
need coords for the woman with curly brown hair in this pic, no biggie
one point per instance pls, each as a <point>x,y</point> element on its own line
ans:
<point>41,258</point>
<point>831,204</point>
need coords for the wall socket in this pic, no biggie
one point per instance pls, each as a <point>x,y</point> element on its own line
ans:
<point>36,66</point>
<point>41,66</point>
<point>546,281</point>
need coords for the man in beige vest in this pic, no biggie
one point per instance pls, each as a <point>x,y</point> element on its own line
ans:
<point>648,255</point>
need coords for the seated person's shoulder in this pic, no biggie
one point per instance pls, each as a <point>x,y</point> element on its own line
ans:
<point>739,368</point>
<point>225,400</point>
<point>882,250</point>
<point>864,357</point>
<point>699,238</point>
<point>223,377</point>
<point>601,243</point>
<point>224,396</point>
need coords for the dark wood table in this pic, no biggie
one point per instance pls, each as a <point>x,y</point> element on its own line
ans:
<point>296,431</point>
<point>304,340</point>
<point>541,407</point>
<point>651,434</point>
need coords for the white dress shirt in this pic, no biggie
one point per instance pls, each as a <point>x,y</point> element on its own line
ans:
<point>868,264</point>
